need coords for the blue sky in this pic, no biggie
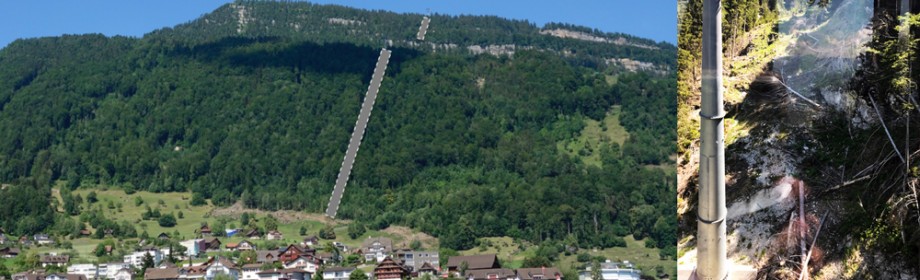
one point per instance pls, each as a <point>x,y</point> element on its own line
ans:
<point>653,19</point>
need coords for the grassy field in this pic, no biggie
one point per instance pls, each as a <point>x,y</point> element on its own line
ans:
<point>194,216</point>
<point>587,145</point>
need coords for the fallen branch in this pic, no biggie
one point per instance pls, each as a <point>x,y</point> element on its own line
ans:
<point>881,120</point>
<point>847,183</point>
<point>804,274</point>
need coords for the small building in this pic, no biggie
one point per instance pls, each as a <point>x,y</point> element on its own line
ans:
<point>375,249</point>
<point>389,269</point>
<point>136,258</point>
<point>310,241</point>
<point>613,271</point>
<point>43,239</point>
<point>245,245</point>
<point>250,271</point>
<point>427,269</point>
<point>212,244</point>
<point>25,241</point>
<point>490,274</point>
<point>338,273</point>
<point>205,230</point>
<point>155,273</point>
<point>55,260</point>
<point>85,233</point>
<point>123,273</point>
<point>294,251</point>
<point>163,236</point>
<point>253,234</point>
<point>40,275</point>
<point>9,253</point>
<point>413,260</point>
<point>109,270</point>
<point>194,247</point>
<point>303,262</point>
<point>285,274</point>
<point>222,266</point>
<point>539,273</point>
<point>472,263</point>
<point>267,256</point>
<point>87,270</point>
<point>274,235</point>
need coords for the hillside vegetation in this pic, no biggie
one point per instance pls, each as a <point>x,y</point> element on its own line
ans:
<point>258,111</point>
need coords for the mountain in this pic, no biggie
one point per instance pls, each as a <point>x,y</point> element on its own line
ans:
<point>254,104</point>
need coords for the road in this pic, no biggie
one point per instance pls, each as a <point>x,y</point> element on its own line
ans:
<point>358,134</point>
<point>423,29</point>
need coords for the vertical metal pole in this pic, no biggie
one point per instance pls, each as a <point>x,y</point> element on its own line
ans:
<point>711,249</point>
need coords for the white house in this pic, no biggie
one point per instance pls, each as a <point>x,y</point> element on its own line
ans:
<point>108,270</point>
<point>302,262</point>
<point>123,273</point>
<point>222,266</point>
<point>88,270</point>
<point>337,273</point>
<point>193,247</point>
<point>285,274</point>
<point>613,271</point>
<point>137,258</point>
<point>376,248</point>
<point>250,271</point>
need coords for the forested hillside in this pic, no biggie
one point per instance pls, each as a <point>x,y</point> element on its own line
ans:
<point>257,106</point>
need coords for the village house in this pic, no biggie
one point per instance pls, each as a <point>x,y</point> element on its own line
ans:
<point>285,274</point>
<point>539,273</point>
<point>123,273</point>
<point>155,273</point>
<point>490,274</point>
<point>136,258</point>
<point>85,233</point>
<point>337,273</point>
<point>427,269</point>
<point>87,270</point>
<point>267,256</point>
<point>613,271</point>
<point>43,239</point>
<point>475,262</point>
<point>245,245</point>
<point>55,260</point>
<point>274,235</point>
<point>375,249</point>
<point>303,262</point>
<point>9,253</point>
<point>212,244</point>
<point>222,266</point>
<point>163,236</point>
<point>253,234</point>
<point>40,275</point>
<point>293,251</point>
<point>250,271</point>
<point>413,260</point>
<point>109,270</point>
<point>194,247</point>
<point>205,230</point>
<point>310,241</point>
<point>389,269</point>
